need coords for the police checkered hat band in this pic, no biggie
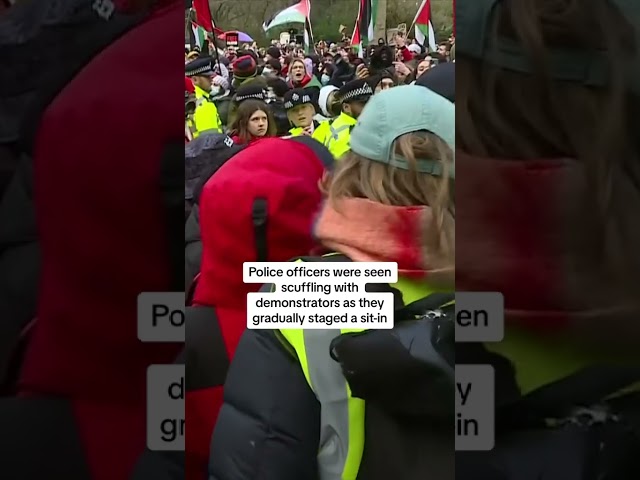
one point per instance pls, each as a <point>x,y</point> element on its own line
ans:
<point>362,91</point>
<point>260,96</point>
<point>200,66</point>
<point>251,91</point>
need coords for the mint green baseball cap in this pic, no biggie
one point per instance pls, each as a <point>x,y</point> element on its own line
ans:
<point>397,111</point>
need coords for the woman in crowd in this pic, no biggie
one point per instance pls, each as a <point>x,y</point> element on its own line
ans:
<point>423,66</point>
<point>398,188</point>
<point>298,76</point>
<point>253,121</point>
<point>549,176</point>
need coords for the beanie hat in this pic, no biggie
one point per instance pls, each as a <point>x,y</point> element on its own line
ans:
<point>440,79</point>
<point>274,52</point>
<point>275,65</point>
<point>415,49</point>
<point>244,67</point>
<point>398,111</point>
<point>324,98</point>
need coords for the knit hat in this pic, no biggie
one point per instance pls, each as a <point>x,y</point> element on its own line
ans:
<point>274,52</point>
<point>397,111</point>
<point>324,98</point>
<point>415,49</point>
<point>244,67</point>
<point>275,65</point>
<point>441,79</point>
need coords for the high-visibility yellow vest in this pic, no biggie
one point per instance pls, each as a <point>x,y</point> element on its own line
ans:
<point>335,134</point>
<point>297,131</point>
<point>343,417</point>
<point>206,115</point>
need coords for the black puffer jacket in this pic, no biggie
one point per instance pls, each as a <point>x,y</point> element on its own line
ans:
<point>192,247</point>
<point>19,262</point>
<point>269,425</point>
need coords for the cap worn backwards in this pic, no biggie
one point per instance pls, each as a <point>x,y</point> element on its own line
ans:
<point>397,111</point>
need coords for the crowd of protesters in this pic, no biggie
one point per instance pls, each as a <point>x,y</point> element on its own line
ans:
<point>319,147</point>
<point>229,77</point>
<point>531,190</point>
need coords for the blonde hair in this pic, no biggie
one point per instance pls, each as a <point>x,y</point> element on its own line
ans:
<point>359,177</point>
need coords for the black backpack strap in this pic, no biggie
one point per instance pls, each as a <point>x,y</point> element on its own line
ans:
<point>260,214</point>
<point>206,360</point>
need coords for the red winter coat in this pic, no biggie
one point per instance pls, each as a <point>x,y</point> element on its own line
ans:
<point>286,173</point>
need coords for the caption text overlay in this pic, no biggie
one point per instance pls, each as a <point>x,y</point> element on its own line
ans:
<point>320,295</point>
<point>331,295</point>
<point>165,407</point>
<point>479,317</point>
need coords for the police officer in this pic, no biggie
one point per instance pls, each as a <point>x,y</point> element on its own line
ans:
<point>205,117</point>
<point>300,111</point>
<point>335,134</point>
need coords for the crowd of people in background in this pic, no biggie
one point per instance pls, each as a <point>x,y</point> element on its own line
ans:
<point>231,76</point>
<point>288,155</point>
<point>531,189</point>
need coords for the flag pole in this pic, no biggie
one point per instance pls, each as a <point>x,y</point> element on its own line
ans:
<point>313,43</point>
<point>413,24</point>
<point>213,34</point>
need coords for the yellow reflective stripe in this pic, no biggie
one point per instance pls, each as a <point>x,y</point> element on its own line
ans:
<point>296,340</point>
<point>356,437</point>
<point>411,291</point>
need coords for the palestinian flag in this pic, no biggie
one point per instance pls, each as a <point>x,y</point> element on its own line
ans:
<point>356,41</point>
<point>308,37</point>
<point>199,36</point>
<point>425,35</point>
<point>366,21</point>
<point>203,15</point>
<point>297,13</point>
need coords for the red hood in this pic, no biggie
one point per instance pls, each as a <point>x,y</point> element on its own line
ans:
<point>284,172</point>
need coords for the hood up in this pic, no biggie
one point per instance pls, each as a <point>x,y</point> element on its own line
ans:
<point>285,173</point>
